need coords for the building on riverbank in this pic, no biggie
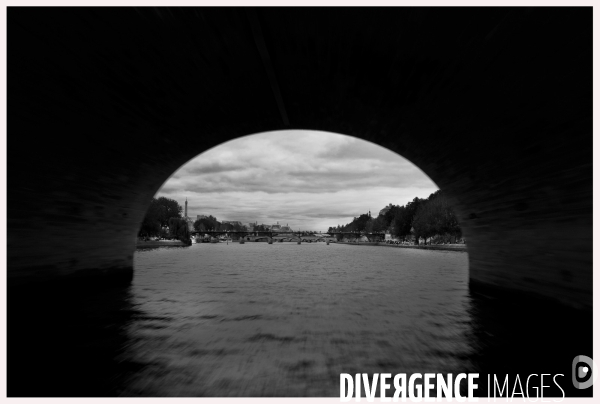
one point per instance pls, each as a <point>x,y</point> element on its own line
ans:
<point>279,228</point>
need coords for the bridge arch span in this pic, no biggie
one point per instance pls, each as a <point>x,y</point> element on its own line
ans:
<point>489,113</point>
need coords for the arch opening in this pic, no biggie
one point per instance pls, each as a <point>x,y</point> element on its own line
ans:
<point>298,187</point>
<point>320,176</point>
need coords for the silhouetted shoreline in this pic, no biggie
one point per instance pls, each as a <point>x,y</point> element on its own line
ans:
<point>445,247</point>
<point>161,243</point>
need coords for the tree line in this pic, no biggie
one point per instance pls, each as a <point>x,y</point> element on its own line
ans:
<point>428,218</point>
<point>163,219</point>
<point>211,223</point>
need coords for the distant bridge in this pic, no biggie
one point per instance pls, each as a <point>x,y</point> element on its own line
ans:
<point>296,235</point>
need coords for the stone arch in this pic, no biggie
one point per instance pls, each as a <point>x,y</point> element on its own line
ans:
<point>489,111</point>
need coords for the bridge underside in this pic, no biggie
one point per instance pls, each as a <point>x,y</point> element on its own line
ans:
<point>494,105</point>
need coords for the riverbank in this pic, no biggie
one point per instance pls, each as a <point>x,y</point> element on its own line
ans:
<point>160,243</point>
<point>443,247</point>
<point>359,243</point>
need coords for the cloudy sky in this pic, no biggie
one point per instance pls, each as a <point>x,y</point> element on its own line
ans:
<point>311,180</point>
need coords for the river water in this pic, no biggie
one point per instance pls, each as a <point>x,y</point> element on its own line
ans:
<point>281,320</point>
<point>287,319</point>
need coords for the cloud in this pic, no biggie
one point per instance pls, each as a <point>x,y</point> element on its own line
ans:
<point>308,179</point>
